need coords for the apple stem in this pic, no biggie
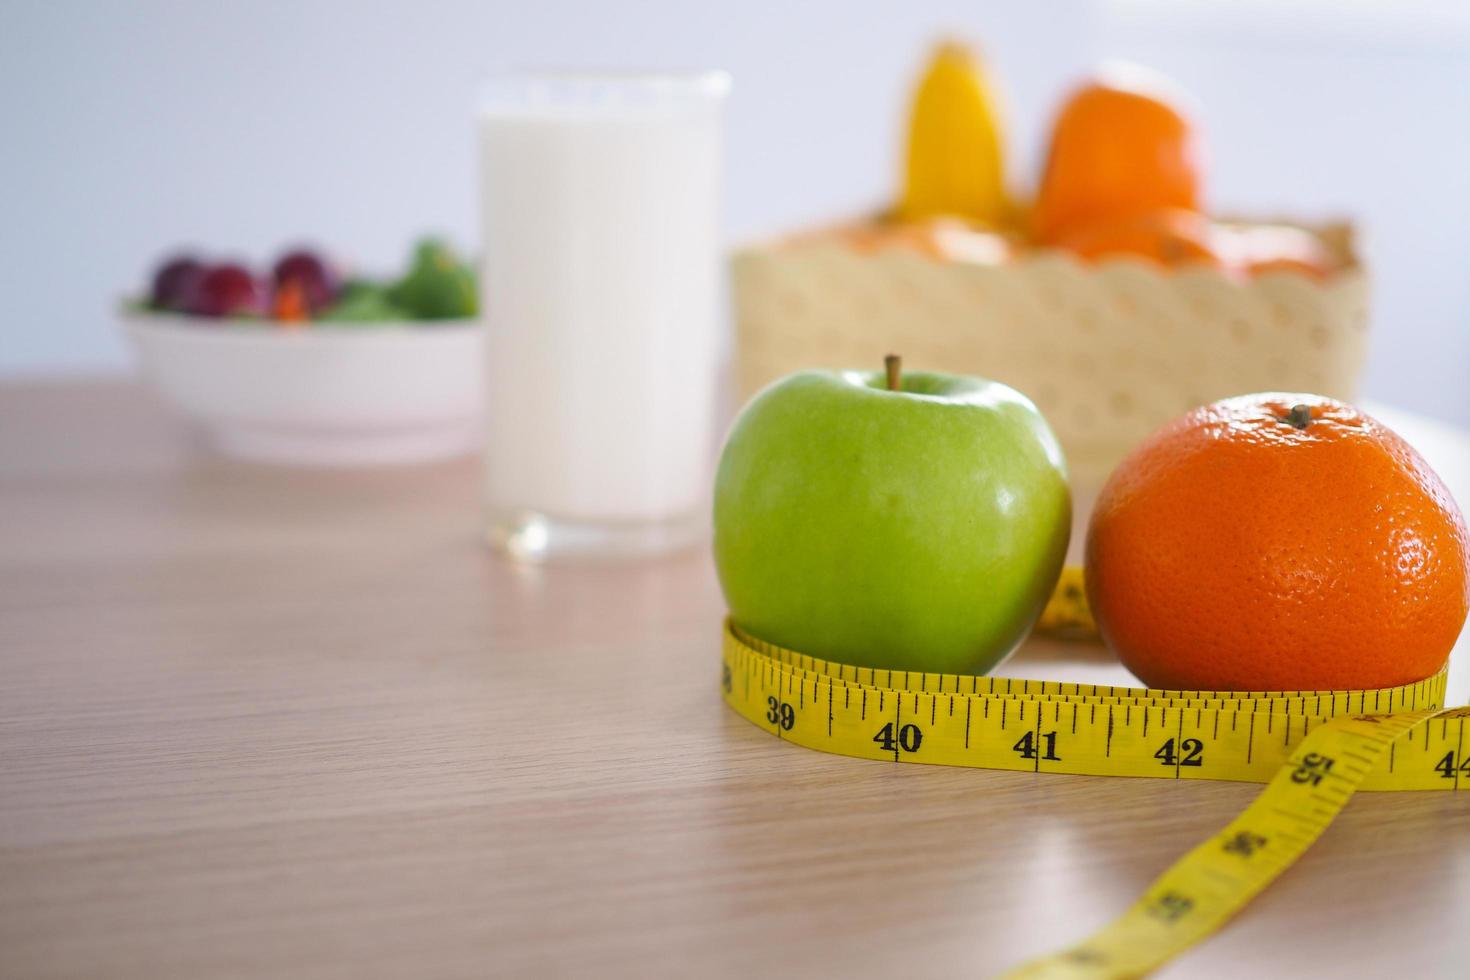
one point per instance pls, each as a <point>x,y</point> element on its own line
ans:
<point>1300,416</point>
<point>893,364</point>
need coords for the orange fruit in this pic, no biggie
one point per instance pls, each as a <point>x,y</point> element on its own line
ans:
<point>290,304</point>
<point>1277,248</point>
<point>1277,542</point>
<point>1168,236</point>
<point>1121,144</point>
<point>946,239</point>
<point>873,238</point>
<point>1289,263</point>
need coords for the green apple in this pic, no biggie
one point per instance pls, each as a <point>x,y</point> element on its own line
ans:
<point>918,528</point>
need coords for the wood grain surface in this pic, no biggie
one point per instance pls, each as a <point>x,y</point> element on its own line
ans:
<point>267,722</point>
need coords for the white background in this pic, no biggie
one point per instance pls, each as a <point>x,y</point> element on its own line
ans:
<point>127,129</point>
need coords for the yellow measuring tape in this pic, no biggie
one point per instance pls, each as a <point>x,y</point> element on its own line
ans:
<point>1313,749</point>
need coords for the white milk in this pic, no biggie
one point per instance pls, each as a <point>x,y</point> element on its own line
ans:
<point>601,252</point>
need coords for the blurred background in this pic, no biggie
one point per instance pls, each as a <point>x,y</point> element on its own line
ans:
<point>129,129</point>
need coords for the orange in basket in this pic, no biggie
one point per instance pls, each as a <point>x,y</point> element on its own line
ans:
<point>1119,147</point>
<point>1169,236</point>
<point>1259,249</point>
<point>1277,542</point>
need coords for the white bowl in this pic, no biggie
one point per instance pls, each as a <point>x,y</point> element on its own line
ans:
<point>320,395</point>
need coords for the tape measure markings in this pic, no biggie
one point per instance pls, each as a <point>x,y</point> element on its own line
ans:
<point>1202,890</point>
<point>1108,742</point>
<point>1310,774</point>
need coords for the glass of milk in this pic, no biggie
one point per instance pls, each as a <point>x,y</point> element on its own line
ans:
<point>600,223</point>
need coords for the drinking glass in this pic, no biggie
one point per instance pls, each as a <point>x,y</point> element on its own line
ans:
<point>600,219</point>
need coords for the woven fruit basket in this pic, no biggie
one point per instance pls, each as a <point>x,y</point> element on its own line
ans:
<point>1108,350</point>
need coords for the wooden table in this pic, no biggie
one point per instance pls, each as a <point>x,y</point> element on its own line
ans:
<point>261,722</point>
